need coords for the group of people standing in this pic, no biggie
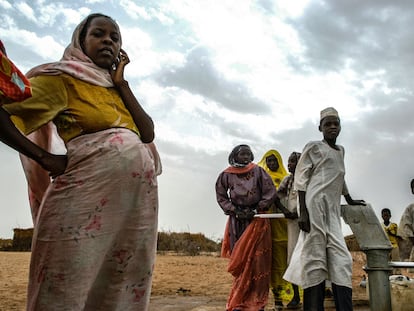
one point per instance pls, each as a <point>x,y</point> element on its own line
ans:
<point>306,246</point>
<point>95,208</point>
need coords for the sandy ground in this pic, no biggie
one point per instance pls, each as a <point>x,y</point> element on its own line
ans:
<point>181,283</point>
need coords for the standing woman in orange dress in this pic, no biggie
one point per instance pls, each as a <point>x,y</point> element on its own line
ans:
<point>242,190</point>
<point>95,221</point>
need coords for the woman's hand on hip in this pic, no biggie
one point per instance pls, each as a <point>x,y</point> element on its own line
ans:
<point>55,164</point>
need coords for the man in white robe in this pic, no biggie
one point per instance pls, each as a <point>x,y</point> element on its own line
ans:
<point>322,254</point>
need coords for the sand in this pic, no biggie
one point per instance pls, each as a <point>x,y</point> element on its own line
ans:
<point>181,283</point>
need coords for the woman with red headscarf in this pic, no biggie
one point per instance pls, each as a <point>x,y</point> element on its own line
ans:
<point>242,190</point>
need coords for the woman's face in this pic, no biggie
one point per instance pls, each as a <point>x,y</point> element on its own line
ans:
<point>244,156</point>
<point>102,42</point>
<point>292,162</point>
<point>272,163</point>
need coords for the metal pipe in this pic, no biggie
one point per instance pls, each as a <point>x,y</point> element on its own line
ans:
<point>273,215</point>
<point>378,271</point>
<point>401,264</point>
<point>375,244</point>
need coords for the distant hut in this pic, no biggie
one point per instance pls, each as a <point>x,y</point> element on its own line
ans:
<point>22,239</point>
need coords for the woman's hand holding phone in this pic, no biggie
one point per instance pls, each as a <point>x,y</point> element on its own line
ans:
<point>117,71</point>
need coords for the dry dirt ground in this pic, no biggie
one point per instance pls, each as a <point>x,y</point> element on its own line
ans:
<point>181,283</point>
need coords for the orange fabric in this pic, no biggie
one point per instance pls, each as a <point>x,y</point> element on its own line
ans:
<point>225,246</point>
<point>14,86</point>
<point>250,264</point>
<point>240,170</point>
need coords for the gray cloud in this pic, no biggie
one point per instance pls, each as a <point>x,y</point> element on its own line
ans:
<point>365,36</point>
<point>394,122</point>
<point>199,76</point>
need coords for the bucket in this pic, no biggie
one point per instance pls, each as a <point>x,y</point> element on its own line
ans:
<point>402,292</point>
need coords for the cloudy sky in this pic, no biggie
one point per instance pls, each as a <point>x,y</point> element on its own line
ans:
<point>216,74</point>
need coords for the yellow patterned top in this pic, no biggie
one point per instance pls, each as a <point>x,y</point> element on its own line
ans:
<point>391,231</point>
<point>76,107</point>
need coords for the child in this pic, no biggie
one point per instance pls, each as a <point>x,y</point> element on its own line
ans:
<point>287,191</point>
<point>391,229</point>
<point>322,253</point>
<point>242,190</point>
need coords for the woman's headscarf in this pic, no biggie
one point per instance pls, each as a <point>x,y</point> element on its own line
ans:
<point>239,168</point>
<point>278,176</point>
<point>233,154</point>
<point>75,62</point>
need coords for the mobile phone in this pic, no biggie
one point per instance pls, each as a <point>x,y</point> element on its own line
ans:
<point>116,62</point>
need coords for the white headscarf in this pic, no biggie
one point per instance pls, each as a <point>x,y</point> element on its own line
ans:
<point>75,62</point>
